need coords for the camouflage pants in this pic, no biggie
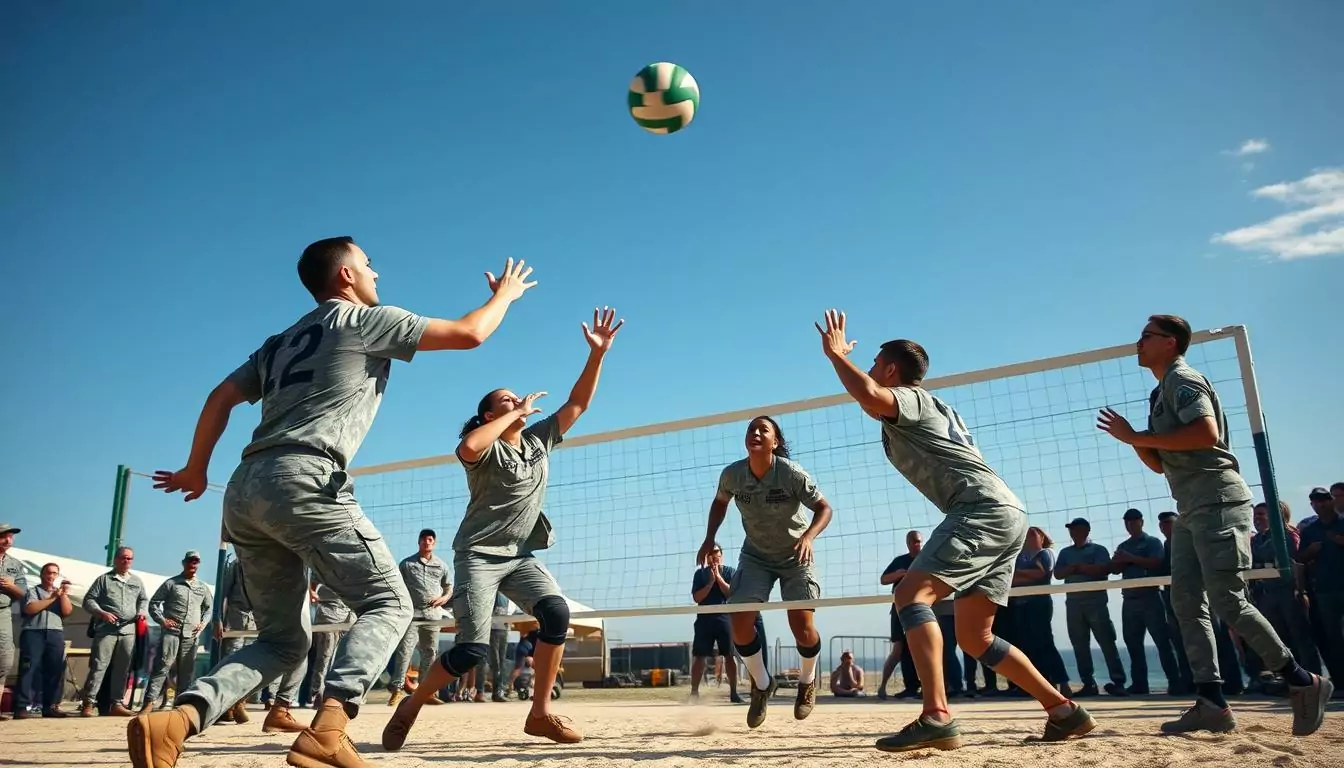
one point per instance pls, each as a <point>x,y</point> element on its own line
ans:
<point>286,513</point>
<point>113,651</point>
<point>1210,553</point>
<point>422,639</point>
<point>176,655</point>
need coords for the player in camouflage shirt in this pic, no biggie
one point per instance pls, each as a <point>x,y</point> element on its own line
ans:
<point>1187,441</point>
<point>972,552</point>
<point>290,504</point>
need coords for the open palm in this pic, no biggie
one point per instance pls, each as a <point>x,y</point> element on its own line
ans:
<point>603,331</point>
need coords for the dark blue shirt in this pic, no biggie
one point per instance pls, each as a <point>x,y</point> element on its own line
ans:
<point>1143,545</point>
<point>1045,558</point>
<point>1326,571</point>
<point>715,596</point>
<point>901,563</point>
<point>1090,553</point>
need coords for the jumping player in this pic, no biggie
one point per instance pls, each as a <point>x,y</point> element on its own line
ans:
<point>507,465</point>
<point>1186,440</point>
<point>972,552</point>
<point>290,503</point>
<point>770,491</point>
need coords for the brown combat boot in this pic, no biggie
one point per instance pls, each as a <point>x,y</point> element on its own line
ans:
<point>324,744</point>
<point>88,710</point>
<point>278,720</point>
<point>156,740</point>
<point>120,710</point>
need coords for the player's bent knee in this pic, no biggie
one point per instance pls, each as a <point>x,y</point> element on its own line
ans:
<point>915,615</point>
<point>994,653</point>
<point>552,613</point>
<point>464,657</point>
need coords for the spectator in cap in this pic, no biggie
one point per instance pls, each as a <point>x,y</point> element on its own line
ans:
<point>181,608</point>
<point>1322,551</point>
<point>13,585</point>
<point>1141,609</point>
<point>426,577</point>
<point>1319,497</point>
<point>1165,521</point>
<point>1087,613</point>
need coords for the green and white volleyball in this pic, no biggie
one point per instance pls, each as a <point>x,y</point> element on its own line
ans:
<point>664,98</point>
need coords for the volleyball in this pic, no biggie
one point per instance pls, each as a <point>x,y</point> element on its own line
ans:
<point>663,98</point>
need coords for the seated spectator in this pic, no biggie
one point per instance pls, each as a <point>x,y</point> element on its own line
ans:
<point>847,679</point>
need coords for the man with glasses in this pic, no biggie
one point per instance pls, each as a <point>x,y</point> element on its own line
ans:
<point>114,602</point>
<point>42,646</point>
<point>711,586</point>
<point>1187,441</point>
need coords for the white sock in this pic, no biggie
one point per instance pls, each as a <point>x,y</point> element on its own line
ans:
<point>756,666</point>
<point>809,671</point>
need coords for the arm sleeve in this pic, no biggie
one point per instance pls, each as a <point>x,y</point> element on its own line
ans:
<point>247,378</point>
<point>141,602</point>
<point>156,602</point>
<point>1191,399</point>
<point>95,593</point>
<point>805,488</point>
<point>725,489</point>
<point>547,431</point>
<point>909,410</point>
<point>391,332</point>
<point>207,603</point>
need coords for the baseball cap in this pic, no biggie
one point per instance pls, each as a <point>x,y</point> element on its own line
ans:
<point>428,532</point>
<point>191,555</point>
<point>1133,514</point>
<point>7,528</point>
<point>1077,521</point>
<point>1168,515</point>
<point>1317,494</point>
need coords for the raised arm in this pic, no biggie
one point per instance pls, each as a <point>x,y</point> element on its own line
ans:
<point>473,328</point>
<point>478,441</point>
<point>718,511</point>
<point>599,339</point>
<point>875,399</point>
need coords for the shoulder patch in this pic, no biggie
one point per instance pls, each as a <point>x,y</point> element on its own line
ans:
<point>1187,394</point>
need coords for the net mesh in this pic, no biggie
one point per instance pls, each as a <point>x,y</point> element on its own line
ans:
<point>629,512</point>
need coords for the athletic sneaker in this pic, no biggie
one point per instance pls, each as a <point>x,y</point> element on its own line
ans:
<point>1071,726</point>
<point>807,699</point>
<point>759,701</point>
<point>923,734</point>
<point>1203,716</point>
<point>1309,702</point>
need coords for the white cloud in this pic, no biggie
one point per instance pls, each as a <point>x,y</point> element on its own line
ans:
<point>1249,147</point>
<point>1315,228</point>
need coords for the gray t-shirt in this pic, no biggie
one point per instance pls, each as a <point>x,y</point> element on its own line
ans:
<point>426,580</point>
<point>1143,545</point>
<point>1090,553</point>
<point>508,488</point>
<point>12,568</point>
<point>49,617</point>
<point>1203,477</point>
<point>123,595</point>
<point>929,444</point>
<point>321,381</point>
<point>771,507</point>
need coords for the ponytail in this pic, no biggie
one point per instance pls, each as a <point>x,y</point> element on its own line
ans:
<point>477,421</point>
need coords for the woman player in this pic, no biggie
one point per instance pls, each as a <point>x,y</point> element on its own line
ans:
<point>771,491</point>
<point>507,466</point>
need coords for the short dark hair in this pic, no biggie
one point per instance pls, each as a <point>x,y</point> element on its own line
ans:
<point>1333,486</point>
<point>910,359</point>
<point>428,532</point>
<point>1176,327</point>
<point>320,261</point>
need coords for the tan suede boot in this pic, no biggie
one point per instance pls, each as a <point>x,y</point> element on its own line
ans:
<point>324,744</point>
<point>279,720</point>
<point>156,739</point>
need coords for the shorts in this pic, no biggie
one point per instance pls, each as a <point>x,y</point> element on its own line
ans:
<point>476,579</point>
<point>975,549</point>
<point>756,577</point>
<point>711,635</point>
<point>897,631</point>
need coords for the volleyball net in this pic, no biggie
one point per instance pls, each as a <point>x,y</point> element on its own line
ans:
<point>629,507</point>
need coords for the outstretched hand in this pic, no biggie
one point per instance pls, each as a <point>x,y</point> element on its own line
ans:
<point>192,481</point>
<point>833,335</point>
<point>603,332</point>
<point>1116,426</point>
<point>513,282</point>
<point>528,406</point>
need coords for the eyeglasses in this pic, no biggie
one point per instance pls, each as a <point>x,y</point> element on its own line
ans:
<point>1149,334</point>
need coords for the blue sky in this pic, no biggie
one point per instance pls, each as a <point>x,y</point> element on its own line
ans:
<point>1000,183</point>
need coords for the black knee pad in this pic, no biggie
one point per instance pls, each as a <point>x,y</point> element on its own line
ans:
<point>552,613</point>
<point>464,657</point>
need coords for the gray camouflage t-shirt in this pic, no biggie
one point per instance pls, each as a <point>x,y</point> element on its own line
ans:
<point>320,381</point>
<point>929,444</point>
<point>508,487</point>
<point>771,507</point>
<point>1203,477</point>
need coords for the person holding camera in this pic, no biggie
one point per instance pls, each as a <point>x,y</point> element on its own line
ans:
<point>42,646</point>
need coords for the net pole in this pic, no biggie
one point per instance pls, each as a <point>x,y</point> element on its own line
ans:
<point>121,509</point>
<point>1260,437</point>
<point>114,527</point>
<point>216,645</point>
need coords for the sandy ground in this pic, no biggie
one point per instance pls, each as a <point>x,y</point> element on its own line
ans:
<point>656,729</point>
